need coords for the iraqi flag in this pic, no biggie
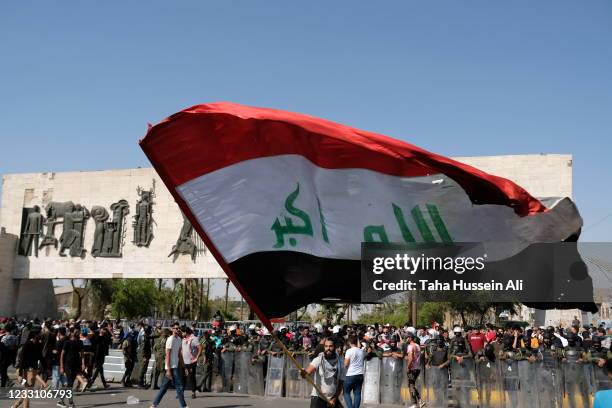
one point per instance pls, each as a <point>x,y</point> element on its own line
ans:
<point>284,200</point>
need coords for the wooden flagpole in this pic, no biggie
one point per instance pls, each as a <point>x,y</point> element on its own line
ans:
<point>299,367</point>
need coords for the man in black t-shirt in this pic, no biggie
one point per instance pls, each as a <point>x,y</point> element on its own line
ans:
<point>72,363</point>
<point>101,345</point>
<point>59,380</point>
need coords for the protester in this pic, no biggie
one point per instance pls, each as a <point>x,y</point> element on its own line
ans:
<point>101,349</point>
<point>413,368</point>
<point>329,376</point>
<point>58,380</point>
<point>603,399</point>
<point>32,357</point>
<point>191,350</point>
<point>174,366</point>
<point>354,364</point>
<point>72,363</point>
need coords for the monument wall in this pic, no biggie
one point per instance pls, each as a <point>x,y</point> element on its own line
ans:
<point>98,208</point>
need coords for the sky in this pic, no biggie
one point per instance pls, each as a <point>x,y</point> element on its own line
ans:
<point>80,81</point>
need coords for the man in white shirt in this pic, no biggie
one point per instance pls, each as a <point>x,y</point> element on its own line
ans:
<point>174,366</point>
<point>353,381</point>
<point>329,376</point>
<point>191,351</point>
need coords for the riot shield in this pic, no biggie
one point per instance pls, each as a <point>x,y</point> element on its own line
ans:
<point>404,386</point>
<point>390,380</point>
<point>549,379</point>
<point>200,373</point>
<point>217,380</point>
<point>599,379</point>
<point>490,384</point>
<point>435,391</point>
<point>294,387</point>
<point>306,386</point>
<point>274,380</point>
<point>242,362</point>
<point>463,380</point>
<point>135,377</point>
<point>371,381</point>
<point>576,392</point>
<point>528,385</point>
<point>510,376</point>
<point>255,381</point>
<point>227,367</point>
<point>420,382</point>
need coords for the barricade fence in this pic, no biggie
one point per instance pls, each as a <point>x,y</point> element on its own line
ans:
<point>500,384</point>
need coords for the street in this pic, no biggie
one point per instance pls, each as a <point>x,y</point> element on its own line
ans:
<point>117,397</point>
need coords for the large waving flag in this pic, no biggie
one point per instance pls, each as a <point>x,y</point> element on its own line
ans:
<point>284,200</point>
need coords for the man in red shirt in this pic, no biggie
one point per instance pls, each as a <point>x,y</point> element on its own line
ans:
<point>477,339</point>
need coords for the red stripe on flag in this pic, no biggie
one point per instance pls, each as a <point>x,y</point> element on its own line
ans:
<point>205,138</point>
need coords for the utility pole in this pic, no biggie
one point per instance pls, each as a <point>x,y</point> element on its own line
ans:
<point>413,311</point>
<point>241,306</point>
<point>206,314</point>
<point>227,281</point>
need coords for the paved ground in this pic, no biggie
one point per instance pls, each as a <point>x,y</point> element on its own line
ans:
<point>117,397</point>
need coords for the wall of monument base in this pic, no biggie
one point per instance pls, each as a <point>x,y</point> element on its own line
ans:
<point>18,297</point>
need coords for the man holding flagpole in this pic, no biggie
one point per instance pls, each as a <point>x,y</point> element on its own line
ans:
<point>329,375</point>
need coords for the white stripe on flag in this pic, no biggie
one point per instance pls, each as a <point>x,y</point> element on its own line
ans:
<point>243,209</point>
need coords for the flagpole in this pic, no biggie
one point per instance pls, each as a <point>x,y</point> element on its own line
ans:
<point>299,366</point>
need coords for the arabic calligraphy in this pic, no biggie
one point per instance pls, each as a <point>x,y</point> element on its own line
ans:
<point>290,228</point>
<point>378,233</point>
<point>296,222</point>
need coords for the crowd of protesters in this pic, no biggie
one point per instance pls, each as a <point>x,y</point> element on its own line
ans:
<point>71,354</point>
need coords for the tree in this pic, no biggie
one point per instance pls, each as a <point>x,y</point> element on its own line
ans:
<point>332,313</point>
<point>80,295</point>
<point>134,297</point>
<point>100,294</point>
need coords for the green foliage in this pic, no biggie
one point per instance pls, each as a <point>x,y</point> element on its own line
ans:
<point>134,298</point>
<point>428,312</point>
<point>100,293</point>
<point>394,313</point>
<point>398,313</point>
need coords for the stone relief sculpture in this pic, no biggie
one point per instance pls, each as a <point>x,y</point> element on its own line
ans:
<point>143,219</point>
<point>188,242</point>
<point>109,234</point>
<point>73,234</point>
<point>32,232</point>
<point>55,211</point>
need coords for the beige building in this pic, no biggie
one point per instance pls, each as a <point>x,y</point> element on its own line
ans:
<point>544,175</point>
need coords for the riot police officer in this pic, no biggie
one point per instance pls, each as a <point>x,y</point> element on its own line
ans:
<point>159,350</point>
<point>458,346</point>
<point>437,354</point>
